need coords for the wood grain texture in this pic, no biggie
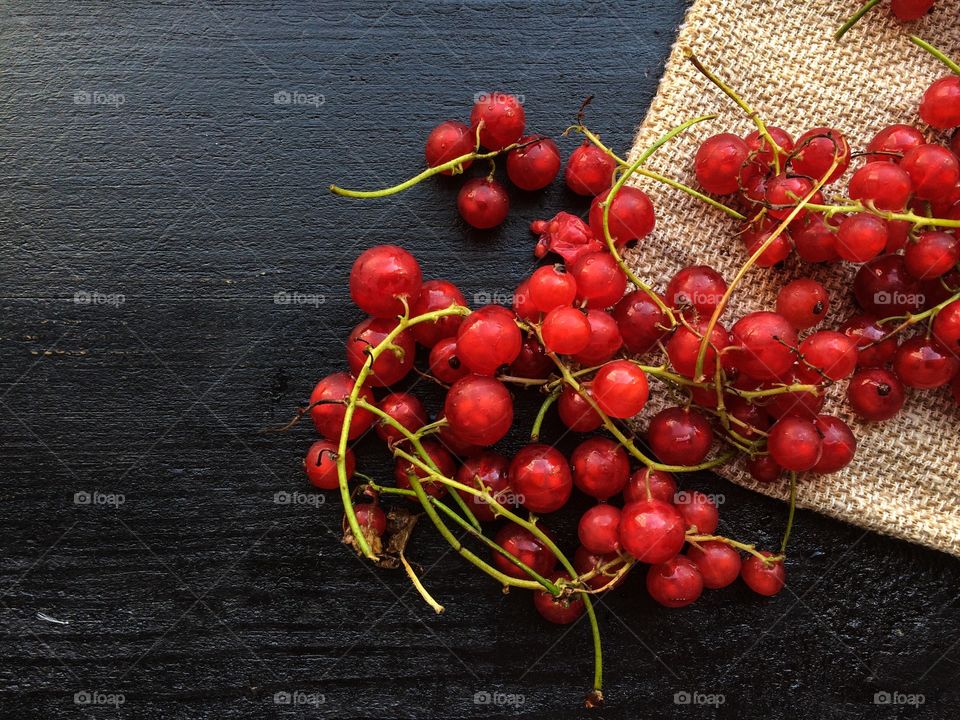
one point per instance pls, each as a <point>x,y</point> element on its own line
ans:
<point>198,200</point>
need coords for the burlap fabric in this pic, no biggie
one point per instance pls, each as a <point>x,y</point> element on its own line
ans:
<point>905,480</point>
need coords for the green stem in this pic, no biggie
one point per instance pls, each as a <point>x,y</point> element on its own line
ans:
<point>752,549</point>
<point>936,52</point>
<point>859,207</point>
<point>855,18</point>
<point>535,430</point>
<point>793,507</point>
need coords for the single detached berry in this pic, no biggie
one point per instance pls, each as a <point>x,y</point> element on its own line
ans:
<point>483,203</point>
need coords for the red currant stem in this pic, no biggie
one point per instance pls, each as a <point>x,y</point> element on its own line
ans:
<point>936,52</point>
<point>541,414</point>
<point>775,149</point>
<point>429,172</point>
<point>527,382</point>
<point>626,565</point>
<point>779,390</point>
<point>431,428</point>
<point>693,538</point>
<point>793,508</point>
<point>913,319</point>
<point>437,607</point>
<point>670,135</point>
<point>859,207</point>
<point>855,18</point>
<point>751,261</point>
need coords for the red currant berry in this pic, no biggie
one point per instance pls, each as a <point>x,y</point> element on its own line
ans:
<point>814,238</point>
<point>647,484</point>
<point>605,339</point>
<point>816,151</point>
<point>436,295</point>
<point>370,518</point>
<point>908,10</point>
<point>566,330</point>
<point>600,281</point>
<point>934,170</point>
<point>763,577</point>
<point>760,151</point>
<point>924,363</point>
<point>439,456</point>
<point>933,254</point>
<point>503,119</point>
<point>832,353</point>
<point>589,170</point>
<point>541,478</point>
<point>784,193</point>
<point>680,436</point>
<point>445,363</point>
<point>884,288</point>
<point>532,362</point>
<point>552,286</point>
<point>525,547</point>
<point>393,364</point>
<point>885,184</point>
<point>861,237</point>
<point>488,339</point>
<point>795,443</point>
<point>380,276</point>
<point>697,287</point>
<point>631,216</point>
<point>893,141</point>
<point>534,166</point>
<point>803,303</point>
<point>599,529</point>
<point>523,305</point>
<point>946,327</point>
<point>449,140</point>
<point>874,348</point>
<point>758,235</point>
<point>479,409</point>
<point>875,394</point>
<point>804,404</point>
<point>839,444</point>
<point>940,107</point>
<point>561,610</point>
<point>483,203</point>
<point>683,348</point>
<point>600,468</point>
<point>675,583</point>
<point>641,321</point>
<point>320,464</point>
<point>698,511</point>
<point>764,469</point>
<point>620,389</point>
<point>764,345</point>
<point>718,162</point>
<point>718,563</point>
<point>752,419</point>
<point>405,409</point>
<point>651,530</point>
<point>576,413</point>
<point>487,471</point>
<point>328,416</point>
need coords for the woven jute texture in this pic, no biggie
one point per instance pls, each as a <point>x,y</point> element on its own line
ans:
<point>781,57</point>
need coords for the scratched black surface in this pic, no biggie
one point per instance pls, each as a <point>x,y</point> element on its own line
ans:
<point>155,200</point>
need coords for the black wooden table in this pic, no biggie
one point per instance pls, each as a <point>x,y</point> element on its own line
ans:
<point>174,280</point>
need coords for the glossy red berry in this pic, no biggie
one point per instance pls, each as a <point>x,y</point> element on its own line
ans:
<point>816,151</point>
<point>697,510</point>
<point>946,327</point>
<point>804,303</point>
<point>525,547</point>
<point>600,468</point>
<point>487,471</point>
<point>600,281</point>
<point>764,468</point>
<point>576,413</point>
<point>759,238</point>
<point>718,563</point>
<point>320,464</point>
<point>763,345</point>
<point>405,409</point>
<point>589,170</point>
<point>552,286</point>
<point>940,106</point>
<point>875,394</point>
<point>683,348</point>
<point>884,288</point>
<point>566,330</point>
<point>445,364</point>
<point>523,305</point>
<point>483,203</point>
<point>752,418</point>
<point>698,287</point>
<point>680,436</point>
<point>631,216</point>
<point>839,444</point>
<point>503,119</point>
<point>763,577</point>
<point>651,530</point>
<point>861,237</point>
<point>784,192</point>
<point>439,456</point>
<point>641,321</point>
<point>488,339</point>
<point>605,339</point>
<point>447,141</point>
<point>924,363</point>
<point>934,170</point>
<point>620,389</point>
<point>832,353</point>
<point>760,151</point>
<point>874,348</point>
<point>541,478</point>
<point>933,254</point>
<point>328,417</point>
<point>647,484</point>
<point>814,238</point>
<point>718,161</point>
<point>675,583</point>
<point>893,141</point>
<point>908,10</point>
<point>393,364</point>
<point>795,443</point>
<point>885,184</point>
<point>561,610</point>
<point>479,409</point>
<point>436,295</point>
<point>533,166</point>
<point>599,529</point>
<point>380,276</point>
